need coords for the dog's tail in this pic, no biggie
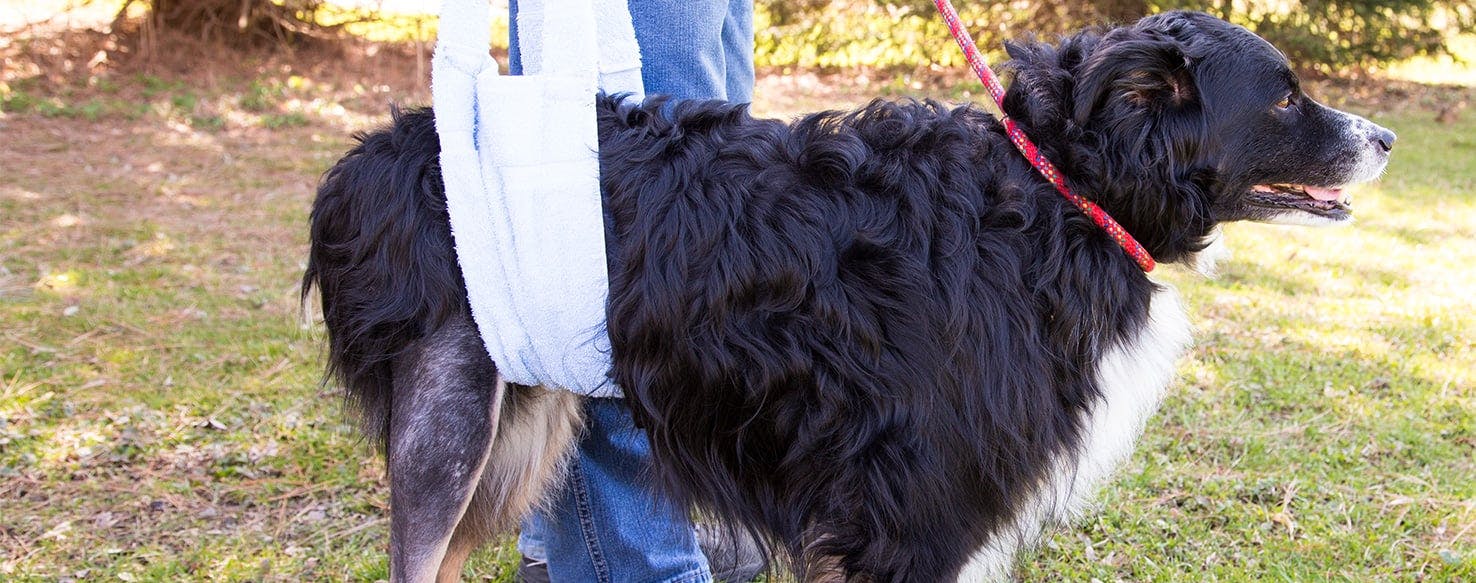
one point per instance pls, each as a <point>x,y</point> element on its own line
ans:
<point>382,258</point>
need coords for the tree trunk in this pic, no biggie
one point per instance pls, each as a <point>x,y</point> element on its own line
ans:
<point>233,22</point>
<point>1122,11</point>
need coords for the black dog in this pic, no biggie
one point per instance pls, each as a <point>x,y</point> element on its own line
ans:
<point>878,338</point>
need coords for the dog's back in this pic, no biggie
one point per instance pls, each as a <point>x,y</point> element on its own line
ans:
<point>832,330</point>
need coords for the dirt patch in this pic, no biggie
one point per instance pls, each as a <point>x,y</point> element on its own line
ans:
<point>97,73</point>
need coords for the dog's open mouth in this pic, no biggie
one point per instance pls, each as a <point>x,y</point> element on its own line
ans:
<point>1331,202</point>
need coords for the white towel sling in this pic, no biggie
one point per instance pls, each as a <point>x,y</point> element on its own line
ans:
<point>519,158</point>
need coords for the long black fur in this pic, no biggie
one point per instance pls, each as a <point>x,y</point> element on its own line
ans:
<point>383,260</point>
<point>883,291</point>
<point>866,335</point>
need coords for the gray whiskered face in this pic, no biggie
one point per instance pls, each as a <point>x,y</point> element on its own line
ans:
<point>1309,186</point>
<point>1284,157</point>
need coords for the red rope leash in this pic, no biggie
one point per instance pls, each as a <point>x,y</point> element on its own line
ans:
<point>1048,170</point>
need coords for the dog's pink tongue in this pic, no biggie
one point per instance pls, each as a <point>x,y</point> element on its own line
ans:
<point>1325,194</point>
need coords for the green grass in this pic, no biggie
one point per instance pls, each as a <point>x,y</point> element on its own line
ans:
<point>271,100</point>
<point>160,417</point>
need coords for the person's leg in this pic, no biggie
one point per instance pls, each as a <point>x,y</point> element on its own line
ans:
<point>514,58</point>
<point>533,568</point>
<point>689,49</point>
<point>607,521</point>
<point>607,524</point>
<point>682,52</point>
<point>732,554</point>
<point>738,51</point>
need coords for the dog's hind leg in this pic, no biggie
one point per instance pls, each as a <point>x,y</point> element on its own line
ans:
<point>442,422</point>
<point>469,455</point>
<point>536,434</point>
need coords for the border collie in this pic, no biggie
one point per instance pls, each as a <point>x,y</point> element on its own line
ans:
<point>878,338</point>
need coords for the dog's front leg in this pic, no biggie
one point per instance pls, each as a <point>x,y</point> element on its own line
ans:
<point>444,415</point>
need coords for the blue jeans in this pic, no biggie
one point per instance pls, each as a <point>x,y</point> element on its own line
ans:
<point>607,525</point>
<point>693,49</point>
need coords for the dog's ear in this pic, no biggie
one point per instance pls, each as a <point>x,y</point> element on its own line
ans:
<point>1020,50</point>
<point>1151,74</point>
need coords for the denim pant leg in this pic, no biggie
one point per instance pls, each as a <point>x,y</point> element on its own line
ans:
<point>690,49</point>
<point>607,525</point>
<point>696,49</point>
<point>738,50</point>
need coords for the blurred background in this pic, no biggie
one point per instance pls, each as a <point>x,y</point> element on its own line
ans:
<point>161,412</point>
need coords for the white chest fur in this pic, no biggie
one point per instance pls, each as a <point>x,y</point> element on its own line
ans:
<point>1133,377</point>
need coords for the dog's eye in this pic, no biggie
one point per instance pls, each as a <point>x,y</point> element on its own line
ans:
<point>1285,102</point>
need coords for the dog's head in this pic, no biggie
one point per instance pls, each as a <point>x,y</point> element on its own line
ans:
<point>1183,121</point>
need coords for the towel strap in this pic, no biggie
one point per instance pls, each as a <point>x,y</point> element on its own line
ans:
<point>519,159</point>
<point>595,39</point>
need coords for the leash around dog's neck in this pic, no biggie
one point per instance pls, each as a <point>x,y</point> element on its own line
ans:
<point>1032,153</point>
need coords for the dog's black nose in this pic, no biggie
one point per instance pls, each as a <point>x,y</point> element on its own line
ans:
<point>1384,137</point>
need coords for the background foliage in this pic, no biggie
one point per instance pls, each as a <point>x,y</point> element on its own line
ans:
<point>1330,36</point>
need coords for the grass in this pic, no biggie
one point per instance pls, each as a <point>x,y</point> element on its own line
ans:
<point>159,414</point>
<point>270,101</point>
<point>160,417</point>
